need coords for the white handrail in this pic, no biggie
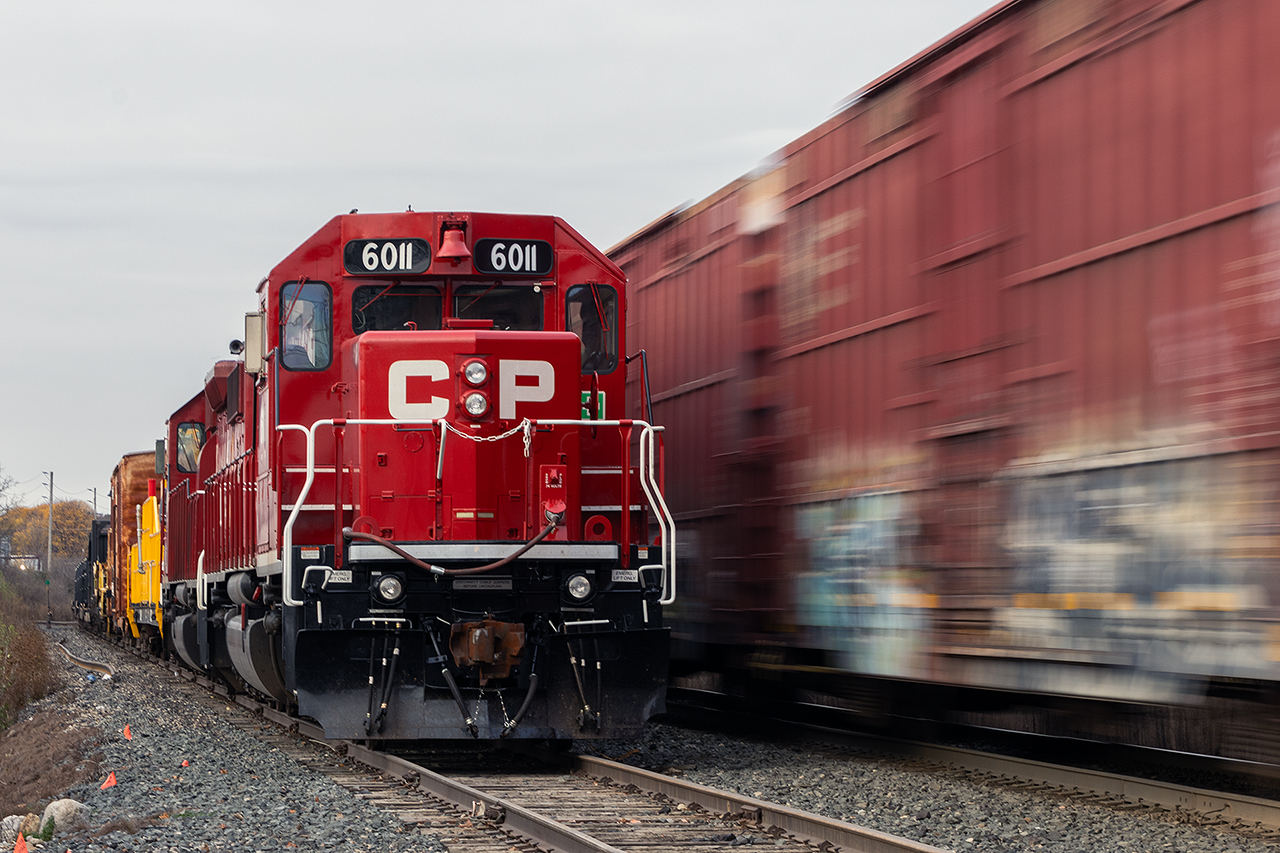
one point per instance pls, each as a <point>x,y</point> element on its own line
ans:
<point>201,593</point>
<point>666,524</point>
<point>286,577</point>
<point>648,482</point>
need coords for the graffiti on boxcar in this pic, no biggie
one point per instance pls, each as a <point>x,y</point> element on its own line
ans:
<point>822,269</point>
<point>862,598</point>
<point>1156,568</point>
<point>1191,345</point>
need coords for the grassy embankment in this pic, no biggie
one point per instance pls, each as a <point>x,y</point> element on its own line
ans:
<point>27,670</point>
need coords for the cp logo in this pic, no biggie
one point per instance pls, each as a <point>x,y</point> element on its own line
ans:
<point>510,390</point>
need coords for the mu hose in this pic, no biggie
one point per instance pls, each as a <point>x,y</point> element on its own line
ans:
<point>389,685</point>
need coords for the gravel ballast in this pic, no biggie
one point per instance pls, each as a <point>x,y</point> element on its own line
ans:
<point>946,812</point>
<point>236,793</point>
<point>240,794</point>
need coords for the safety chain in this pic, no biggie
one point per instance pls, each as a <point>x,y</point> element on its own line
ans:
<point>525,426</point>
<point>506,721</point>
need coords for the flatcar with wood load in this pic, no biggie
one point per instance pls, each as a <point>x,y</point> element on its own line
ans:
<point>978,385</point>
<point>412,506</point>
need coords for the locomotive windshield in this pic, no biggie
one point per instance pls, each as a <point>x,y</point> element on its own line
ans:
<point>510,308</point>
<point>395,306</point>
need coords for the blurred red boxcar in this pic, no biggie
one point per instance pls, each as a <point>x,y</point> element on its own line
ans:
<point>976,384</point>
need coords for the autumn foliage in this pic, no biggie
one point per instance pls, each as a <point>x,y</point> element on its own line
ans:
<point>29,596</point>
<point>27,528</point>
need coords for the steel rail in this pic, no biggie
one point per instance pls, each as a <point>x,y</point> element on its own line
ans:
<point>812,828</point>
<point>516,819</point>
<point>824,832</point>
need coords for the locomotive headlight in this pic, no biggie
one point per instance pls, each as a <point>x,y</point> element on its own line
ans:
<point>476,404</point>
<point>475,372</point>
<point>389,588</point>
<point>578,587</point>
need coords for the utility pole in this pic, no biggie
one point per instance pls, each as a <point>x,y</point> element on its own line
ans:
<point>48,566</point>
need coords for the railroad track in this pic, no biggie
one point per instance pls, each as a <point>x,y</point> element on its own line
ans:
<point>592,805</point>
<point>1256,817</point>
<point>1253,816</point>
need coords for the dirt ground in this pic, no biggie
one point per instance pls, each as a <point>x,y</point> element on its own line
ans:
<point>42,757</point>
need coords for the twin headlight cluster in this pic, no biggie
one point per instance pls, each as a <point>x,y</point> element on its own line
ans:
<point>475,403</point>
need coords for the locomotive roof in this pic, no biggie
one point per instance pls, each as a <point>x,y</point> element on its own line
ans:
<point>318,247</point>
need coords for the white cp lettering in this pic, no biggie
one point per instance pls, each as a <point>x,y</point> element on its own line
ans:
<point>398,390</point>
<point>509,393</point>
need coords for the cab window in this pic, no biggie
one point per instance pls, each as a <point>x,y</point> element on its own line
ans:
<point>306,326</point>
<point>190,440</point>
<point>395,306</point>
<point>591,313</point>
<point>510,308</point>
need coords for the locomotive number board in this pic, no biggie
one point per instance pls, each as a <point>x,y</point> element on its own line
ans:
<point>405,255</point>
<point>495,256</point>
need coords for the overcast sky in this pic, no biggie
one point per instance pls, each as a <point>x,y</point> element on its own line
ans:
<point>158,158</point>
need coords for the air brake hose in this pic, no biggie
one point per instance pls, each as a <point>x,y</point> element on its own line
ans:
<point>524,707</point>
<point>453,687</point>
<point>457,697</point>
<point>528,696</point>
<point>348,533</point>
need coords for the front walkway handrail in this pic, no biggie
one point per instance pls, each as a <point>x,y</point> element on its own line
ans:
<point>648,482</point>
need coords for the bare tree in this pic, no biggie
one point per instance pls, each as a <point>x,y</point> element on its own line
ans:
<point>8,503</point>
<point>8,496</point>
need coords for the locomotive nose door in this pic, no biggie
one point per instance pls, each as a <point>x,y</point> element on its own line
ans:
<point>457,465</point>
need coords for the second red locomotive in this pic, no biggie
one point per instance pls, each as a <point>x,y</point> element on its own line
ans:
<point>414,507</point>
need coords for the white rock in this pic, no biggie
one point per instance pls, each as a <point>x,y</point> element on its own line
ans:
<point>9,830</point>
<point>68,815</point>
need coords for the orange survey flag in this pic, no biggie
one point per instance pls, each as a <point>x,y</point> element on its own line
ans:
<point>111,780</point>
<point>128,735</point>
<point>20,846</point>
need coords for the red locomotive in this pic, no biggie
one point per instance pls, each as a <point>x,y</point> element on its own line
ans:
<point>413,506</point>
